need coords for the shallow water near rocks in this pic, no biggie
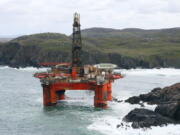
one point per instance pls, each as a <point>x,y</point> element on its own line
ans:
<point>22,112</point>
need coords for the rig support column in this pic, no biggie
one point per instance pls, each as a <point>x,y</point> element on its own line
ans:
<point>46,95</point>
<point>109,91</point>
<point>60,94</point>
<point>49,96</point>
<point>53,95</point>
<point>100,98</point>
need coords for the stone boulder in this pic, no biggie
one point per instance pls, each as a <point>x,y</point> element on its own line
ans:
<point>143,118</point>
<point>158,95</point>
<point>171,110</point>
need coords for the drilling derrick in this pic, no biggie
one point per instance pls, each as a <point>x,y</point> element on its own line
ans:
<point>75,76</point>
<point>76,43</point>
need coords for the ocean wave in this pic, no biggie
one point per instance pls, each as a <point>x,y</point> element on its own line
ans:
<point>154,71</point>
<point>4,67</point>
<point>28,69</point>
<point>31,69</point>
<point>107,124</point>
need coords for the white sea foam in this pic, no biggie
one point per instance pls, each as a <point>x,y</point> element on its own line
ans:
<point>32,69</point>
<point>108,124</point>
<point>138,71</point>
<point>150,107</point>
<point>4,67</point>
<point>154,71</point>
<point>26,69</point>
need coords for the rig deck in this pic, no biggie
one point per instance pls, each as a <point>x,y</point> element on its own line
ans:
<point>57,81</point>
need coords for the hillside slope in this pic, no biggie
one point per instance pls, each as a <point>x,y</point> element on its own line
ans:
<point>128,48</point>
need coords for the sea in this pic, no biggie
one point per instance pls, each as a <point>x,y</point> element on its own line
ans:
<point>22,112</point>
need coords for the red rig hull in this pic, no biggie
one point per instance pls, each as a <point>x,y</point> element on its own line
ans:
<point>56,91</point>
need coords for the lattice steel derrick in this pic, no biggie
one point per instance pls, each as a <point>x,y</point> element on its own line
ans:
<point>77,43</point>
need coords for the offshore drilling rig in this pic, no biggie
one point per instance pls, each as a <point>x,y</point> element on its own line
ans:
<point>76,76</point>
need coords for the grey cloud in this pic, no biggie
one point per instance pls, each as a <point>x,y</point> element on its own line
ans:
<point>33,16</point>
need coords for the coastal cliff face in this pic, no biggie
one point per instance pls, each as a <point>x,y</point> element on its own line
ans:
<point>128,48</point>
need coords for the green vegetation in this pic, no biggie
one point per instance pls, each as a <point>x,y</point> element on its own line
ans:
<point>127,48</point>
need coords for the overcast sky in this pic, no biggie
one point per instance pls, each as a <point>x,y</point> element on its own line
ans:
<point>19,17</point>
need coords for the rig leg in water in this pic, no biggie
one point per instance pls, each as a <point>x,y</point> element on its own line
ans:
<point>109,91</point>
<point>100,98</point>
<point>49,96</point>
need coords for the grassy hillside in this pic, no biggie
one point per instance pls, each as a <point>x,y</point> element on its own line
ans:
<point>135,42</point>
<point>127,48</point>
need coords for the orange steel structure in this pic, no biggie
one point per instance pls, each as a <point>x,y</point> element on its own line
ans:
<point>54,90</point>
<point>75,76</point>
<point>53,93</point>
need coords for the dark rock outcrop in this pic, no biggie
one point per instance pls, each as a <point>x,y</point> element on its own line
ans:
<point>133,100</point>
<point>117,100</point>
<point>167,111</point>
<point>158,96</point>
<point>171,110</point>
<point>141,118</point>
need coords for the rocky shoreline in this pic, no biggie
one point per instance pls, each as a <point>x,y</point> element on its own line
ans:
<point>166,112</point>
